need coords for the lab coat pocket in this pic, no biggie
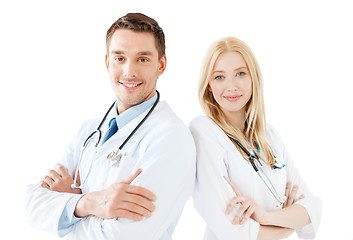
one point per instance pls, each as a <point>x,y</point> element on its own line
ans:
<point>126,167</point>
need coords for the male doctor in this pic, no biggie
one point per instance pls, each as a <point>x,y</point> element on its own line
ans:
<point>141,194</point>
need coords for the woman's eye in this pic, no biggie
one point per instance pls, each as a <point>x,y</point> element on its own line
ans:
<point>240,74</point>
<point>218,77</point>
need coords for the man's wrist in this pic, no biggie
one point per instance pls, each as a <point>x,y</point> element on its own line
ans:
<point>82,208</point>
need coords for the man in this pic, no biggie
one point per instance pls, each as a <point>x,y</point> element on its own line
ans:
<point>139,194</point>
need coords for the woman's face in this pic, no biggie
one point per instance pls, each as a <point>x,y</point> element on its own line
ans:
<point>231,84</point>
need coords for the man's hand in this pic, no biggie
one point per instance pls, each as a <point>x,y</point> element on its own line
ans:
<point>119,200</point>
<point>60,181</point>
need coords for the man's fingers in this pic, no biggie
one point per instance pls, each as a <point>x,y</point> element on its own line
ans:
<point>48,180</point>
<point>62,170</point>
<point>141,201</point>
<point>140,191</point>
<point>235,189</point>
<point>130,215</point>
<point>44,184</point>
<point>135,208</point>
<point>54,175</point>
<point>132,177</point>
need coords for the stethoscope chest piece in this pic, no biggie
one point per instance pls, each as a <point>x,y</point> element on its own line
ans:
<point>114,157</point>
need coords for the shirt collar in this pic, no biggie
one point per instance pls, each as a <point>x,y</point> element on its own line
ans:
<point>128,115</point>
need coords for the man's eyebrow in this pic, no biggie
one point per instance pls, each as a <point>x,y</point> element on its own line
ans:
<point>148,53</point>
<point>117,52</point>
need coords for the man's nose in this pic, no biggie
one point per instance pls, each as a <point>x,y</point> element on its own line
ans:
<point>130,70</point>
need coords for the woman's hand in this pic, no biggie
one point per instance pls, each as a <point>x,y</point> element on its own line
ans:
<point>248,208</point>
<point>60,181</point>
<point>290,195</point>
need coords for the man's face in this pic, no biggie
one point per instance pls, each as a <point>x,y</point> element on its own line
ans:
<point>134,66</point>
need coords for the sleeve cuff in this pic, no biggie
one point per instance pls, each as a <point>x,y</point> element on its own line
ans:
<point>68,218</point>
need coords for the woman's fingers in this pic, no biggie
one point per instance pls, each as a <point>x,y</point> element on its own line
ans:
<point>232,203</point>
<point>242,209</point>
<point>235,189</point>
<point>245,210</point>
<point>292,195</point>
<point>299,198</point>
<point>286,193</point>
<point>248,213</point>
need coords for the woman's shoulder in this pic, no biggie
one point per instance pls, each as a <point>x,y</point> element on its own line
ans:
<point>203,124</point>
<point>273,137</point>
<point>200,121</point>
<point>205,127</point>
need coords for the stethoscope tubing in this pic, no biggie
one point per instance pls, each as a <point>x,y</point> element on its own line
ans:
<point>100,136</point>
<point>260,172</point>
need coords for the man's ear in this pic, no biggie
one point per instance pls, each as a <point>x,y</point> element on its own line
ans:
<point>107,61</point>
<point>162,64</point>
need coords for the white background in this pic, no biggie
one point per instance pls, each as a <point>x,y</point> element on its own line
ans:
<point>53,74</point>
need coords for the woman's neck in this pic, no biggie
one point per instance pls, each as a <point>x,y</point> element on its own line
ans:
<point>237,119</point>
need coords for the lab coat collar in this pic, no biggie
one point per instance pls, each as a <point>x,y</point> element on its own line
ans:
<point>131,113</point>
<point>119,137</point>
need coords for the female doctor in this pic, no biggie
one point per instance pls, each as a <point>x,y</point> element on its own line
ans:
<point>244,173</point>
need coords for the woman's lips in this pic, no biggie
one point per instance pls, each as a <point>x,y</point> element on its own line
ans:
<point>232,98</point>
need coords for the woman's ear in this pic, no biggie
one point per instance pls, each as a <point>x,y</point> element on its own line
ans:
<point>209,88</point>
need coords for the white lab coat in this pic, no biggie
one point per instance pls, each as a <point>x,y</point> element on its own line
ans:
<point>162,147</point>
<point>217,157</point>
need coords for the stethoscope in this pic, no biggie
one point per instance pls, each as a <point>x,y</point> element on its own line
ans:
<point>114,156</point>
<point>253,158</point>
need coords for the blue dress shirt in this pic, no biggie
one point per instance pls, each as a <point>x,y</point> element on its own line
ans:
<point>68,217</point>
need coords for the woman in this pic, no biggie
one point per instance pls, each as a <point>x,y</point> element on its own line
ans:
<point>233,141</point>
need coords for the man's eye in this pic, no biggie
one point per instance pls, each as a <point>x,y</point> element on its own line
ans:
<point>119,59</point>
<point>143,60</point>
<point>240,74</point>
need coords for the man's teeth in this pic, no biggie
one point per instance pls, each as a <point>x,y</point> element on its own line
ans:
<point>130,85</point>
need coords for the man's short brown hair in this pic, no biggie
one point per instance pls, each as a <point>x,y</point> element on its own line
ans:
<point>139,22</point>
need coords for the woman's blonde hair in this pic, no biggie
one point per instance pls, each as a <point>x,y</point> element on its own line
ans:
<point>255,122</point>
